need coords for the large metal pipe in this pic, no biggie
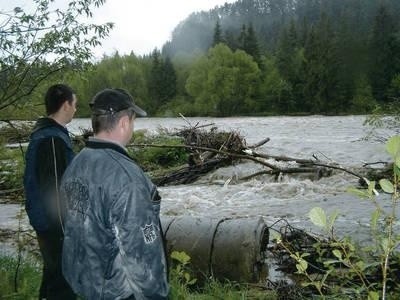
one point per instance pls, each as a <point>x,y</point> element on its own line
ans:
<point>229,248</point>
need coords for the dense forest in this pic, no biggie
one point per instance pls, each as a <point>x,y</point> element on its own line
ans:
<point>263,57</point>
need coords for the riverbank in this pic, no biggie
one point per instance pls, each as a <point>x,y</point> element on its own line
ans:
<point>286,197</point>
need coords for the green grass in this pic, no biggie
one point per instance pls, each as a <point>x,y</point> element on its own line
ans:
<point>28,279</point>
<point>30,273</point>
<point>214,290</point>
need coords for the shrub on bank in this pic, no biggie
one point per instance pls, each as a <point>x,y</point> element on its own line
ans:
<point>152,159</point>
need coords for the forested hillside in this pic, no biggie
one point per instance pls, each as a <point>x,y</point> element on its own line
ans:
<point>270,17</point>
<point>262,57</point>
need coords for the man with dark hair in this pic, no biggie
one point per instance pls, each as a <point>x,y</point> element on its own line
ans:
<point>113,247</point>
<point>49,152</point>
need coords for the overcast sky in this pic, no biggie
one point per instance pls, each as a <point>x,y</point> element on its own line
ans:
<point>142,25</point>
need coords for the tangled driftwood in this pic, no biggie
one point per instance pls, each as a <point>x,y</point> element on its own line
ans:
<point>319,250</point>
<point>211,149</point>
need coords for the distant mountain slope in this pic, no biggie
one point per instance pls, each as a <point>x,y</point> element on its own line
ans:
<point>268,18</point>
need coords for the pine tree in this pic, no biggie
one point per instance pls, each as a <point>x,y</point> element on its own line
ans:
<point>169,81</point>
<point>217,34</point>
<point>231,40</point>
<point>321,82</point>
<point>242,38</point>
<point>285,55</point>
<point>251,44</point>
<point>288,63</point>
<point>384,47</point>
<point>155,81</point>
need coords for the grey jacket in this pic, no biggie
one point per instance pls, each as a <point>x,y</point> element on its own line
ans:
<point>113,245</point>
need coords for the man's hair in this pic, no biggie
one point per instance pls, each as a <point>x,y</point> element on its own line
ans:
<point>55,97</point>
<point>107,122</point>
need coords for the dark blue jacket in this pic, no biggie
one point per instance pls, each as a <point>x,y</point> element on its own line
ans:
<point>113,246</point>
<point>49,153</point>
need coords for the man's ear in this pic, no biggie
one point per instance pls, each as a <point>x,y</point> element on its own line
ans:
<point>124,122</point>
<point>65,105</point>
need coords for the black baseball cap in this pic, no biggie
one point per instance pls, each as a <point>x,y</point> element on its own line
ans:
<point>111,101</point>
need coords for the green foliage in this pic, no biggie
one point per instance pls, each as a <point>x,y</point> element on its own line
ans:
<point>223,83</point>
<point>161,81</point>
<point>348,267</point>
<point>177,106</point>
<point>183,285</point>
<point>217,34</point>
<point>393,148</point>
<point>393,91</point>
<point>320,69</point>
<point>28,280</point>
<point>232,291</point>
<point>363,100</point>
<point>113,71</point>
<point>151,158</point>
<point>11,168</point>
<point>386,116</point>
<point>40,43</point>
<point>181,279</point>
<point>384,45</point>
<point>29,277</point>
<point>275,93</point>
<point>329,57</point>
<point>250,44</point>
<point>181,268</point>
<point>318,218</point>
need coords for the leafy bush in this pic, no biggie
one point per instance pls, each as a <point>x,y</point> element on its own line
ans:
<point>345,269</point>
<point>151,158</point>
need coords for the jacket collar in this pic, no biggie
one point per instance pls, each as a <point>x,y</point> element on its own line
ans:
<point>48,122</point>
<point>94,143</point>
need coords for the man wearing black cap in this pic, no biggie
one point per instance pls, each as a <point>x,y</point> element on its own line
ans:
<point>113,245</point>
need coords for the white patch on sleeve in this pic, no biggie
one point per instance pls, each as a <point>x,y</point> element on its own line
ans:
<point>149,233</point>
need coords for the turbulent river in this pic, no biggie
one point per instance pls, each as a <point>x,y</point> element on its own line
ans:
<point>333,139</point>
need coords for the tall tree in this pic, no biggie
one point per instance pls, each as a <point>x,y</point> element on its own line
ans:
<point>251,46</point>
<point>161,82</point>
<point>288,61</point>
<point>169,81</point>
<point>286,52</point>
<point>320,86</point>
<point>223,83</point>
<point>275,93</point>
<point>231,39</point>
<point>217,34</point>
<point>242,37</point>
<point>385,56</point>
<point>155,81</point>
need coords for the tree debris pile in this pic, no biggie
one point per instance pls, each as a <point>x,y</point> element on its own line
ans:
<point>213,138</point>
<point>206,151</point>
<point>332,263</point>
<point>294,240</point>
<point>211,149</point>
<point>181,156</point>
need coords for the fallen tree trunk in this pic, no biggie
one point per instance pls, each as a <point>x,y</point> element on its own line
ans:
<point>224,157</point>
